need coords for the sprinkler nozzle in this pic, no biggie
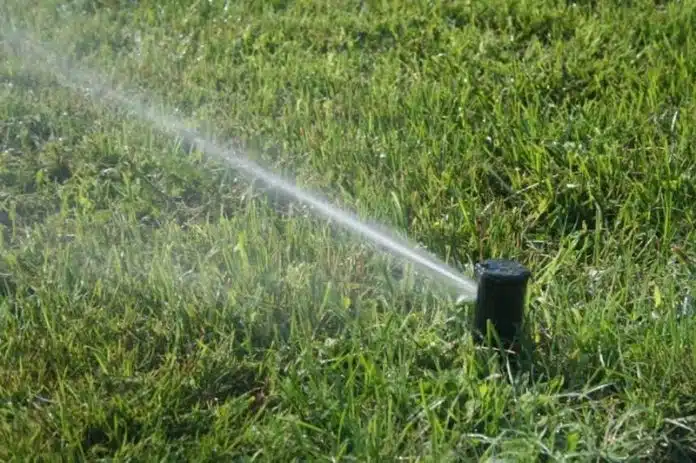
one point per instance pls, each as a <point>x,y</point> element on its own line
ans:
<point>502,288</point>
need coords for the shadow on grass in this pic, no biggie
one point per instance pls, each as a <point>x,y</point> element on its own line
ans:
<point>189,411</point>
<point>679,445</point>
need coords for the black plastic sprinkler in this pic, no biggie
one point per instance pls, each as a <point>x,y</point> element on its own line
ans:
<point>502,288</point>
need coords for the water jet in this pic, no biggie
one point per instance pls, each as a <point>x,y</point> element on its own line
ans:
<point>43,58</point>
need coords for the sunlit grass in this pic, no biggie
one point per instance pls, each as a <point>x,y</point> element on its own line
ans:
<point>156,305</point>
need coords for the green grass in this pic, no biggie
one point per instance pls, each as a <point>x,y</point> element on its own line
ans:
<point>155,305</point>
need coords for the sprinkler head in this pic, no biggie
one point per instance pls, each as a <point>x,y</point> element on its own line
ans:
<point>502,288</point>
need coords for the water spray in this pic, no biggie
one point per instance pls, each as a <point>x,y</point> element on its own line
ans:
<point>81,79</point>
<point>499,293</point>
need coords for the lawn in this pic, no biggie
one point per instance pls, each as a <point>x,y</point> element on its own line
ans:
<point>157,305</point>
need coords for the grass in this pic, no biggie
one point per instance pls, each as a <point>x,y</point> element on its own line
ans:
<point>155,305</point>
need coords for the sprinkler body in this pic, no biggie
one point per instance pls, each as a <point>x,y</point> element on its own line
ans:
<point>502,288</point>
